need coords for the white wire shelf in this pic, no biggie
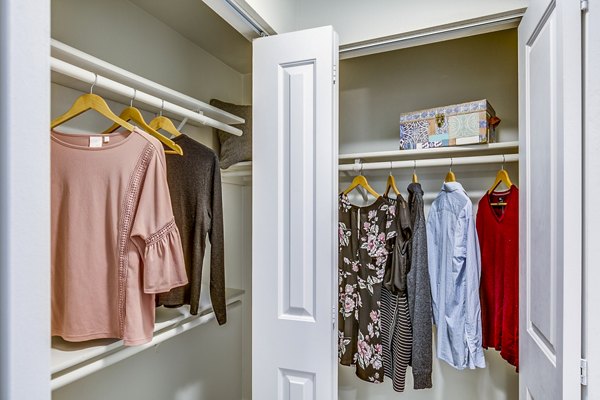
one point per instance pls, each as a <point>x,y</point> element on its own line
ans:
<point>431,162</point>
<point>438,152</point>
<point>494,153</point>
<point>72,361</point>
<point>240,169</point>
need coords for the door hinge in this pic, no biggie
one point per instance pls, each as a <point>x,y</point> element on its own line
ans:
<point>584,4</point>
<point>334,74</point>
<point>583,371</point>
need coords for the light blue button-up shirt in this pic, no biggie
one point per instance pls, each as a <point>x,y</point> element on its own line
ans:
<point>454,269</point>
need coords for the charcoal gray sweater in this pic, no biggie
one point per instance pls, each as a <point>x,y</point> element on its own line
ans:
<point>195,186</point>
<point>419,292</point>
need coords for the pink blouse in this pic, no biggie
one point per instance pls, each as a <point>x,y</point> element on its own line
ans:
<point>114,240</point>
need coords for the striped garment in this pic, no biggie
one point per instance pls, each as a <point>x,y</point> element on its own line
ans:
<point>396,337</point>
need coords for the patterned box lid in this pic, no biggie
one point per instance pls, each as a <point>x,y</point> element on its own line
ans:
<point>472,106</point>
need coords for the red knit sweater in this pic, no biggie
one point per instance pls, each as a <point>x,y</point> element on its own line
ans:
<point>498,231</point>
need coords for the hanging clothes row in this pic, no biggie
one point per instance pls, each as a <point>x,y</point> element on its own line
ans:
<point>398,272</point>
<point>129,225</point>
<point>384,290</point>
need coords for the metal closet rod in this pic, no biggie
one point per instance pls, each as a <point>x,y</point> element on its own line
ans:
<point>89,77</point>
<point>437,162</point>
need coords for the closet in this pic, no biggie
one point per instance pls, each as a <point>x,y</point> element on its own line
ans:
<point>322,113</point>
<point>175,72</point>
<point>525,71</point>
<point>372,90</point>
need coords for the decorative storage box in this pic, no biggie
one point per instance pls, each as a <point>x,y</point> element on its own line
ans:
<point>466,123</point>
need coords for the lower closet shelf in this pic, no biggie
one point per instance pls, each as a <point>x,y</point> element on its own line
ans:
<point>72,361</point>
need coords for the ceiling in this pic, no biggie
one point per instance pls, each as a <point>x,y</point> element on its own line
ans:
<point>197,22</point>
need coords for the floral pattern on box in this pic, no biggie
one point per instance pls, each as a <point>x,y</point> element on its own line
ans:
<point>458,124</point>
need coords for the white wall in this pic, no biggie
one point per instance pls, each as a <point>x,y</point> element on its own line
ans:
<point>373,91</point>
<point>279,14</point>
<point>356,20</point>
<point>204,363</point>
<point>359,20</point>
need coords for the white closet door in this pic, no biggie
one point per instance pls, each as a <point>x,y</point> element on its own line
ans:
<point>25,199</point>
<point>294,216</point>
<point>550,176</point>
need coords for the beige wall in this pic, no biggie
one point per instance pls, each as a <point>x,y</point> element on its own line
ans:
<point>375,89</point>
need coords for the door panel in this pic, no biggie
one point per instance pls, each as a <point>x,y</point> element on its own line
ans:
<point>295,144</point>
<point>550,176</point>
<point>540,60</point>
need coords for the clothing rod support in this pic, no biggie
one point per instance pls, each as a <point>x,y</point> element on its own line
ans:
<point>439,162</point>
<point>182,124</point>
<point>83,75</point>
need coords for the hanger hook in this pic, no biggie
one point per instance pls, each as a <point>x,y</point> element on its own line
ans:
<point>162,107</point>
<point>503,161</point>
<point>414,166</point>
<point>94,84</point>
<point>451,163</point>
<point>391,168</point>
<point>361,167</point>
<point>133,98</point>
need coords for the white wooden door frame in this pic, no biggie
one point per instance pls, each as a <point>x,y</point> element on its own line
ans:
<point>551,200</point>
<point>294,216</point>
<point>591,229</point>
<point>24,199</point>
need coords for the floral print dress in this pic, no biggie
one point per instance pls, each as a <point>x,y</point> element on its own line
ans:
<point>365,240</point>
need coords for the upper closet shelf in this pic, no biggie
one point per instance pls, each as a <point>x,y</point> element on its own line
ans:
<point>438,152</point>
<point>90,70</point>
<point>441,156</point>
<point>73,361</point>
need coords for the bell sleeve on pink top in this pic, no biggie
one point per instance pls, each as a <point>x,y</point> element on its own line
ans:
<point>154,231</point>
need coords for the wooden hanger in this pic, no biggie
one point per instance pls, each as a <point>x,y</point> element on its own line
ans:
<point>164,123</point>
<point>501,177</point>
<point>415,179</point>
<point>360,180</point>
<point>133,114</point>
<point>450,177</point>
<point>90,101</point>
<point>391,183</point>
